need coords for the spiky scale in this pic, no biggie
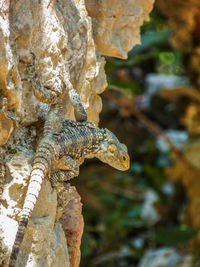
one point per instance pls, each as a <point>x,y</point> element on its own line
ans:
<point>66,144</point>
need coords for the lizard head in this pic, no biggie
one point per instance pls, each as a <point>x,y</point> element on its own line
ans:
<point>113,152</point>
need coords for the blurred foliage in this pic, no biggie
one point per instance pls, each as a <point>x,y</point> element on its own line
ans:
<point>116,231</point>
<point>175,236</point>
<point>153,55</point>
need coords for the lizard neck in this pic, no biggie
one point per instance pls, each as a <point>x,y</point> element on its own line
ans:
<point>98,137</point>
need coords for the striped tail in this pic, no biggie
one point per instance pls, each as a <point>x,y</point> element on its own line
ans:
<point>39,171</point>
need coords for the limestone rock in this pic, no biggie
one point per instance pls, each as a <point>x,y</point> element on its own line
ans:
<point>72,223</point>
<point>59,34</point>
<point>6,128</point>
<point>44,243</point>
<point>116,24</point>
<point>57,39</point>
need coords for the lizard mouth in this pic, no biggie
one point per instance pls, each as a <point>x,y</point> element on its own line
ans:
<point>125,167</point>
<point>125,161</point>
<point>122,165</point>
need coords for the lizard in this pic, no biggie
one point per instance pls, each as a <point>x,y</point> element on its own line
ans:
<point>48,94</point>
<point>42,92</point>
<point>64,146</point>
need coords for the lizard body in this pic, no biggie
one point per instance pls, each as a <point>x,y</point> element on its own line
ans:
<point>64,147</point>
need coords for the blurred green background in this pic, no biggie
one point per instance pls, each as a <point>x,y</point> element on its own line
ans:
<point>130,214</point>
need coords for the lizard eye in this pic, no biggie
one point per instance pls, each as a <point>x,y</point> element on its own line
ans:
<point>123,158</point>
<point>112,148</point>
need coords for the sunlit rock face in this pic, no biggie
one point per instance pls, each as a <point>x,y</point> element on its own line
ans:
<point>44,238</point>
<point>116,24</point>
<point>60,35</point>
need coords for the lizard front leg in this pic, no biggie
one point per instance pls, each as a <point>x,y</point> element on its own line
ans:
<point>62,194</point>
<point>68,169</point>
<point>79,111</point>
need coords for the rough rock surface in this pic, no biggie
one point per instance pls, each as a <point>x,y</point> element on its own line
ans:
<point>59,34</point>
<point>58,39</point>
<point>6,128</point>
<point>72,223</point>
<point>48,248</point>
<point>116,24</point>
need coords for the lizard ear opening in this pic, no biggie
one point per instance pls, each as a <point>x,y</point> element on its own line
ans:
<point>112,148</point>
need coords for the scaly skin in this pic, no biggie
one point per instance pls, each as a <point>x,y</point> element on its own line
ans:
<point>43,93</point>
<point>64,146</point>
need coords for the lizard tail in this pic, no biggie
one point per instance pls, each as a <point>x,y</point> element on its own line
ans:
<point>40,167</point>
<point>18,240</point>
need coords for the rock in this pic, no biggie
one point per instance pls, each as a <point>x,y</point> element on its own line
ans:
<point>72,223</point>
<point>55,40</point>
<point>116,24</point>
<point>6,128</point>
<point>60,36</point>
<point>48,248</point>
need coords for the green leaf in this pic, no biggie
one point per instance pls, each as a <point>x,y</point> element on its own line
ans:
<point>88,242</point>
<point>175,236</point>
<point>127,87</point>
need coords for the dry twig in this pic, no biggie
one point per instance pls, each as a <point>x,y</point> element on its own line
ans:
<point>126,104</point>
